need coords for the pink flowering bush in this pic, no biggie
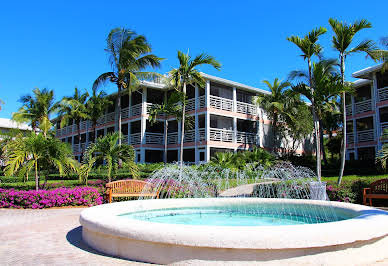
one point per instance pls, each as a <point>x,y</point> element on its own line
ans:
<point>60,197</point>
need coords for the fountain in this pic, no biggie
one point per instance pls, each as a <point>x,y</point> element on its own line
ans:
<point>206,214</point>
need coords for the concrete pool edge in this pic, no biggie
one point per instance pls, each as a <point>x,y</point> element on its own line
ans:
<point>105,231</point>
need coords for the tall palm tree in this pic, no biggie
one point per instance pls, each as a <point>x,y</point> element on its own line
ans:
<point>1,103</point>
<point>36,152</point>
<point>342,39</point>
<point>36,110</point>
<point>327,88</point>
<point>187,74</point>
<point>107,149</point>
<point>170,108</point>
<point>74,109</point>
<point>129,55</point>
<point>309,48</point>
<point>96,106</point>
<point>275,105</point>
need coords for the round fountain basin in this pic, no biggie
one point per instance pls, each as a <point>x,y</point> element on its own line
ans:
<point>238,229</point>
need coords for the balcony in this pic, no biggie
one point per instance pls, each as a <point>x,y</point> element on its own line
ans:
<point>153,138</point>
<point>135,139</point>
<point>246,138</point>
<point>246,108</point>
<point>362,107</point>
<point>136,109</point>
<point>221,103</point>
<point>383,94</point>
<point>366,135</point>
<point>218,134</point>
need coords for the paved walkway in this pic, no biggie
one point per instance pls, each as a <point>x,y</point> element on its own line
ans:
<point>52,237</point>
<point>47,237</point>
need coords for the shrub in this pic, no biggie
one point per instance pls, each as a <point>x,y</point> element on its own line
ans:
<point>60,197</point>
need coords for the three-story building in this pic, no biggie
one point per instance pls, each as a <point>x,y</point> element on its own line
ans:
<point>224,120</point>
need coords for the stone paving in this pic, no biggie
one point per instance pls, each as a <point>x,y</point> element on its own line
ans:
<point>53,237</point>
<point>47,237</point>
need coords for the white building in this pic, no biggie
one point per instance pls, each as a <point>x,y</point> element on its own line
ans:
<point>367,113</point>
<point>7,124</point>
<point>225,119</point>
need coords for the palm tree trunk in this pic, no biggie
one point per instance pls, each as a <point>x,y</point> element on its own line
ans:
<point>119,110</point>
<point>343,144</point>
<point>183,126</point>
<point>322,144</point>
<point>274,132</point>
<point>36,176</point>
<point>316,125</point>
<point>165,140</point>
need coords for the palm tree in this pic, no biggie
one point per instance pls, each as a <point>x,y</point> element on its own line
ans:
<point>187,74</point>
<point>327,88</point>
<point>382,54</point>
<point>96,106</point>
<point>129,55</point>
<point>309,47</point>
<point>170,108</point>
<point>74,109</point>
<point>107,149</point>
<point>1,103</point>
<point>37,153</point>
<point>36,110</point>
<point>275,105</point>
<point>342,39</point>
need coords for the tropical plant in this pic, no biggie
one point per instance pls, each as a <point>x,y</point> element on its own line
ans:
<point>170,108</point>
<point>309,48</point>
<point>342,39</point>
<point>224,160</point>
<point>382,154</point>
<point>96,106</point>
<point>73,109</point>
<point>36,110</point>
<point>129,55</point>
<point>38,153</point>
<point>327,88</point>
<point>107,149</point>
<point>277,105</point>
<point>187,74</point>
<point>382,54</point>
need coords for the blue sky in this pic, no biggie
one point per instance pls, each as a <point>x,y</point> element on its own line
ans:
<point>60,44</point>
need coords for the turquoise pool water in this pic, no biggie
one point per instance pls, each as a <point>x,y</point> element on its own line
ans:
<point>236,217</point>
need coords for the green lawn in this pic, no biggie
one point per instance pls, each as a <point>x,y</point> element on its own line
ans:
<point>354,177</point>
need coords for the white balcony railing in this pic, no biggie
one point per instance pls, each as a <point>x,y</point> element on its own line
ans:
<point>110,117</point>
<point>172,138</point>
<point>246,108</point>
<point>221,103</point>
<point>83,125</point>
<point>218,134</point>
<point>201,134</point>
<point>136,109</point>
<point>148,107</point>
<point>246,137</point>
<point>366,135</point>
<point>190,106</point>
<point>135,139</point>
<point>154,138</point>
<point>362,107</point>
<point>101,120</point>
<point>189,136</point>
<point>125,139</point>
<point>202,102</point>
<point>349,110</point>
<point>350,138</point>
<point>383,94</point>
<point>125,113</point>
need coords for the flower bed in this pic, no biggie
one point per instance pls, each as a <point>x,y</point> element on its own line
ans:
<point>60,197</point>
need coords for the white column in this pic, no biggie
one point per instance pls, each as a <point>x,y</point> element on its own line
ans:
<point>234,129</point>
<point>179,138</point>
<point>234,99</point>
<point>207,120</point>
<point>129,133</point>
<point>196,127</point>
<point>143,124</point>
<point>260,126</point>
<point>376,116</point>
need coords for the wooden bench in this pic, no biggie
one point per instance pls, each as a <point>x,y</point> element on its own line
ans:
<point>377,190</point>
<point>130,188</point>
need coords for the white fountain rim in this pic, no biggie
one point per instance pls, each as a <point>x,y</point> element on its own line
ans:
<point>370,225</point>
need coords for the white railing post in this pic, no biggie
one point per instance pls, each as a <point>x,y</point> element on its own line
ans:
<point>234,130</point>
<point>234,99</point>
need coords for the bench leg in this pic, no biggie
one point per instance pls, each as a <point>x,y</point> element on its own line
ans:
<point>370,202</point>
<point>364,200</point>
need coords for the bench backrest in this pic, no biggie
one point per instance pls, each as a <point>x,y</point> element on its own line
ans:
<point>130,186</point>
<point>379,186</point>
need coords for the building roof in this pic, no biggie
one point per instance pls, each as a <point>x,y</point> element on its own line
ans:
<point>361,82</point>
<point>366,73</point>
<point>11,124</point>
